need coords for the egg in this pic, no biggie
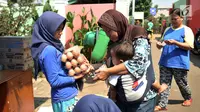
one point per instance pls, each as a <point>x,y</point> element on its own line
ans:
<point>71,72</point>
<point>68,65</point>
<point>75,53</point>
<point>83,67</point>
<point>63,58</point>
<point>74,62</point>
<point>69,56</point>
<point>80,59</point>
<point>77,70</point>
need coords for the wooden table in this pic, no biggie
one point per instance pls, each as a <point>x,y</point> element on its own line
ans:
<point>16,91</point>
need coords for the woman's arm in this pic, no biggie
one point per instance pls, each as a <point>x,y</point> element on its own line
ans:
<point>136,66</point>
<point>104,73</point>
<point>181,45</point>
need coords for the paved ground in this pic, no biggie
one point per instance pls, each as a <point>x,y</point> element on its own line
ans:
<point>42,89</point>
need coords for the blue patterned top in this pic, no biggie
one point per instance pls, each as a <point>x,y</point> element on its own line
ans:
<point>137,66</point>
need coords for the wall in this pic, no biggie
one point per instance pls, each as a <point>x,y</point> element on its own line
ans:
<point>98,10</point>
<point>194,21</point>
<point>123,7</point>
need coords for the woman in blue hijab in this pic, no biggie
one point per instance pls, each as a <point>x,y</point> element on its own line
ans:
<point>46,51</point>
<point>93,103</point>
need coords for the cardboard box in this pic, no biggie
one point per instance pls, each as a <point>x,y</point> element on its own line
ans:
<point>15,42</point>
<point>20,61</point>
<point>15,66</point>
<point>14,53</point>
<point>15,50</point>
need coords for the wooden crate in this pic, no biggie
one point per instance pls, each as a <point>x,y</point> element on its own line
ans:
<point>16,91</point>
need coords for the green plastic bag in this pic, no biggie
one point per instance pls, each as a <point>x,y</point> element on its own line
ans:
<point>100,41</point>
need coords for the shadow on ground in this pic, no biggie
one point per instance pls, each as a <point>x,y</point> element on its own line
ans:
<point>170,101</point>
<point>195,59</point>
<point>40,100</point>
<point>173,102</point>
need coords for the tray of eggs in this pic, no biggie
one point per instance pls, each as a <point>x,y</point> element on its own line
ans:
<point>75,62</point>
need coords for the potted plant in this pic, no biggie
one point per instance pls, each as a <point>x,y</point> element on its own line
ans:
<point>86,26</point>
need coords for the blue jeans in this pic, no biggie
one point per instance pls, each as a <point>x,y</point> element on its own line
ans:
<point>145,106</point>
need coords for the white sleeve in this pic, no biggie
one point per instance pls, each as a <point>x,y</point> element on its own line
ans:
<point>189,36</point>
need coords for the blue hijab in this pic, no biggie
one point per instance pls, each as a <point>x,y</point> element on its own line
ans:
<point>93,103</point>
<point>43,35</point>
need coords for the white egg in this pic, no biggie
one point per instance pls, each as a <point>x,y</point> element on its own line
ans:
<point>69,55</point>
<point>68,65</point>
<point>71,72</point>
<point>75,53</point>
<point>64,58</point>
<point>80,59</point>
<point>83,67</point>
<point>77,70</point>
<point>74,62</point>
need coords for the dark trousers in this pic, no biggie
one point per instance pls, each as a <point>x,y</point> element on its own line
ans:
<point>180,76</point>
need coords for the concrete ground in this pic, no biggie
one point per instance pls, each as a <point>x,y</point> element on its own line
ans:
<point>42,89</point>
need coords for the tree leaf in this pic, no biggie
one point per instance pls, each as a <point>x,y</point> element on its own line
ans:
<point>70,25</point>
<point>89,25</point>
<point>83,10</point>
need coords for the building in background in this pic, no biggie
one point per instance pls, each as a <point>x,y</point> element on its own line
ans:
<point>194,21</point>
<point>192,6</point>
<point>164,11</point>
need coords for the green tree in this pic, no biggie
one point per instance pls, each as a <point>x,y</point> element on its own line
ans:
<point>156,6</point>
<point>16,18</point>
<point>142,6</point>
<point>47,7</point>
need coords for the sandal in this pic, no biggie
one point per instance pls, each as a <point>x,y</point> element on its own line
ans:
<point>158,108</point>
<point>187,103</point>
